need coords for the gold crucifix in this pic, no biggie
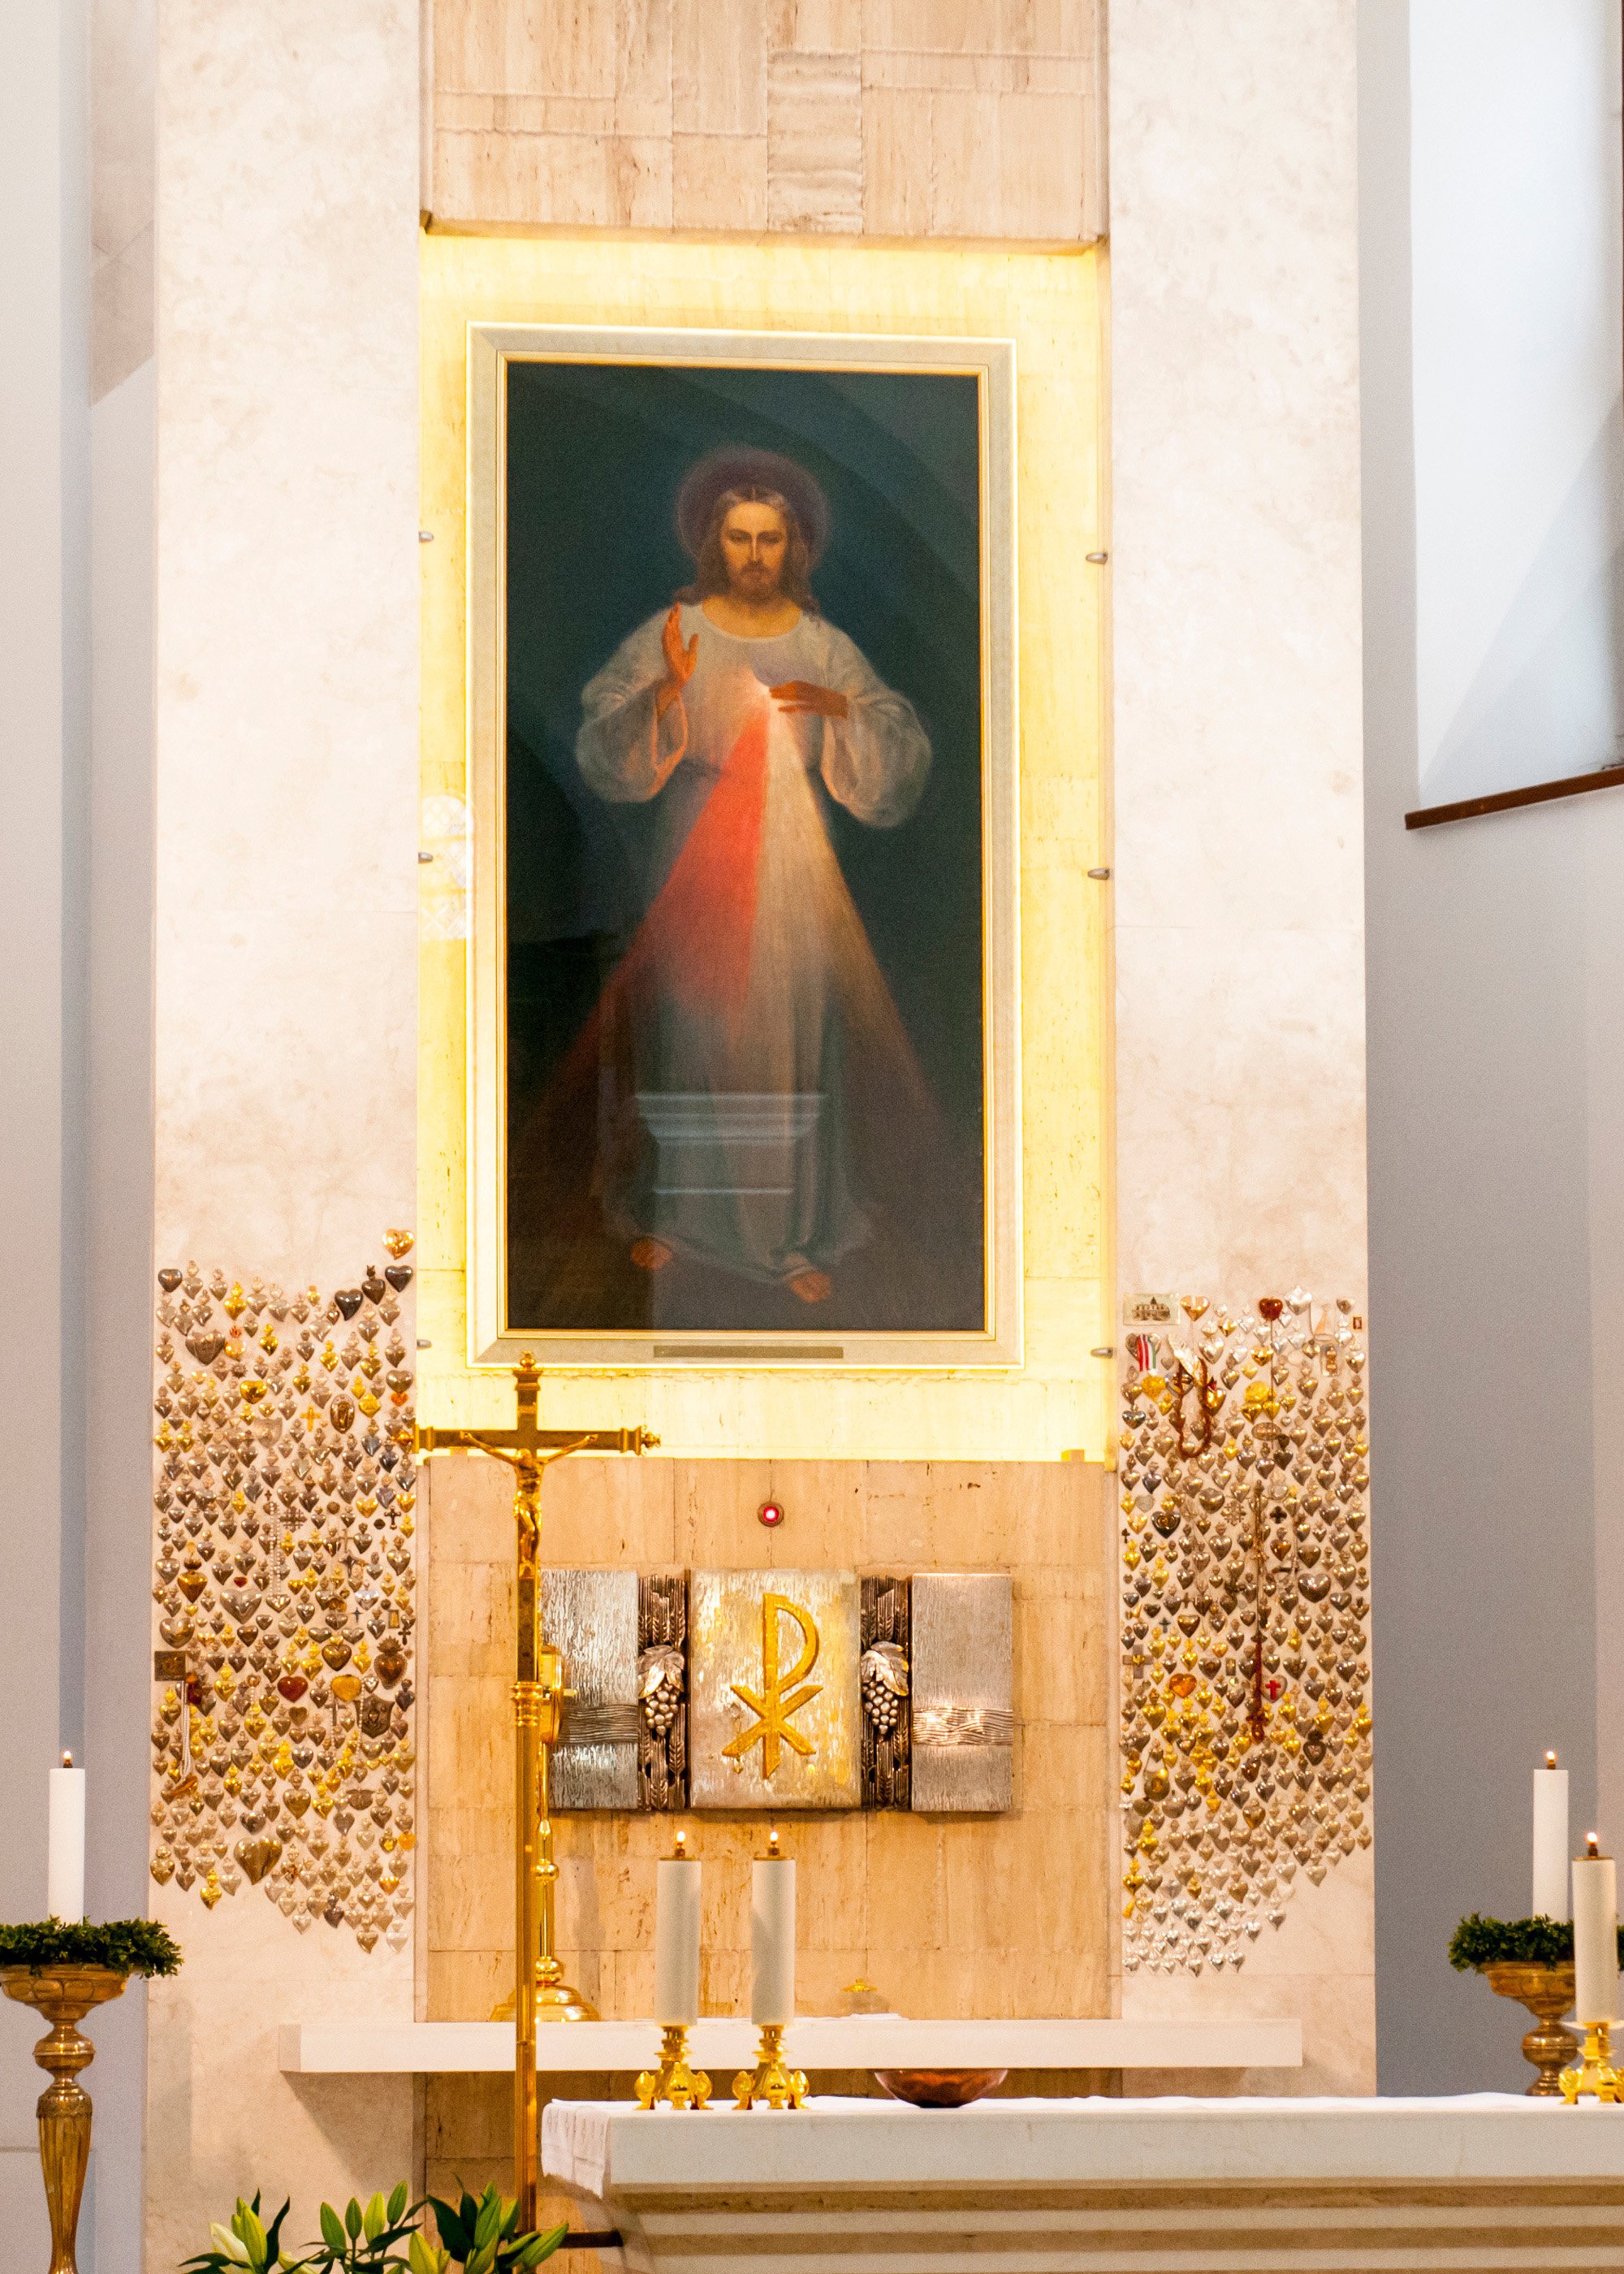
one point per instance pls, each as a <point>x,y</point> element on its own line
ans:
<point>540,1990</point>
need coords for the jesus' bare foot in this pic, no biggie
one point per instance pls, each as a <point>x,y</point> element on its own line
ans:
<point>811,1286</point>
<point>650,1255</point>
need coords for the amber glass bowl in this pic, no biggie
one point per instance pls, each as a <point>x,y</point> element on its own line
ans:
<point>939,2088</point>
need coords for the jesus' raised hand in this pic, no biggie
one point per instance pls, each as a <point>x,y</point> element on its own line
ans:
<point>681,661</point>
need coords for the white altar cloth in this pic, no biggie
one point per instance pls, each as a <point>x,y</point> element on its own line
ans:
<point>1025,2186</point>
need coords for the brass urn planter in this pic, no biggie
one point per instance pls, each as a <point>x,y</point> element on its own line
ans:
<point>1548,1994</point>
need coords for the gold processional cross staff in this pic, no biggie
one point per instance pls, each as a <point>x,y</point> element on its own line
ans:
<point>540,1990</point>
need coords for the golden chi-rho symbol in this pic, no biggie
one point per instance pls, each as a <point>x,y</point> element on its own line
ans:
<point>778,1698</point>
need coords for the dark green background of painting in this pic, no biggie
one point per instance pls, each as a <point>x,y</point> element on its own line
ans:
<point>596,454</point>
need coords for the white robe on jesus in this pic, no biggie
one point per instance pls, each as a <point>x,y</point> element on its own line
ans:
<point>751,983</point>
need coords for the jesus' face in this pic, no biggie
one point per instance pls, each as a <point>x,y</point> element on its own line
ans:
<point>755,539</point>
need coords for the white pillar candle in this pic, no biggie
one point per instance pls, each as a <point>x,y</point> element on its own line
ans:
<point>1595,1936</point>
<point>64,1866</point>
<point>676,1940</point>
<point>1550,1841</point>
<point>772,1939</point>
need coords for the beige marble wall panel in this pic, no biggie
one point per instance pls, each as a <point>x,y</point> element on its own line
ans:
<point>814,142</point>
<point>222,2119</point>
<point>977,27</point>
<point>1238,884</point>
<point>954,118</point>
<point>1318,1966</point>
<point>719,67</point>
<point>1237,605</point>
<point>547,47</point>
<point>897,160</point>
<point>718,180</point>
<point>1004,1915</point>
<point>287,646</point>
<point>815,27</point>
<point>286,879</point>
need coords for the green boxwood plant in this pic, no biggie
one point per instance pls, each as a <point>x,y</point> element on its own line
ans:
<point>125,1946</point>
<point>1479,1942</point>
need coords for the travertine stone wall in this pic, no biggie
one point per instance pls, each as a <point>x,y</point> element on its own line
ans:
<point>891,118</point>
<point>1010,1915</point>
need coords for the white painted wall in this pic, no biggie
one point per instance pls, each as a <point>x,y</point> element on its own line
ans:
<point>118,1162</point>
<point>44,421</point>
<point>1516,197</point>
<point>75,1108</point>
<point>1496,970</point>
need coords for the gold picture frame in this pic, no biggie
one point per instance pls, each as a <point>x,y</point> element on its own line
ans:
<point>495,1338</point>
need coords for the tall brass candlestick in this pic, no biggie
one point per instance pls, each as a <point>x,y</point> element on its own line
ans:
<point>540,1990</point>
<point>1595,1975</point>
<point>64,1995</point>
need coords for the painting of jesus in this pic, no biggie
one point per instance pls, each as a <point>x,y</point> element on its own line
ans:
<point>744,852</point>
<point>751,982</point>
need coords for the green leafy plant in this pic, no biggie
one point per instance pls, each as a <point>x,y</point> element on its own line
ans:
<point>474,2237</point>
<point>363,2237</point>
<point>480,2238</point>
<point>246,2246</point>
<point>124,1945</point>
<point>1479,1942</point>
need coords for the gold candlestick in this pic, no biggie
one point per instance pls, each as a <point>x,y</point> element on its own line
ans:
<point>63,1995</point>
<point>673,2080</point>
<point>772,2079</point>
<point>1595,2078</point>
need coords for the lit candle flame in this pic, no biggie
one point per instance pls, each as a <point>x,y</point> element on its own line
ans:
<point>1550,1761</point>
<point>1592,1844</point>
<point>67,1760</point>
<point>681,1845</point>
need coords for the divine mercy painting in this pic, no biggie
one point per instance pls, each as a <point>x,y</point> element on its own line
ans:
<point>744,821</point>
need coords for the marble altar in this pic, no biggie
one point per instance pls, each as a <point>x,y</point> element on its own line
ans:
<point>1486,2180</point>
